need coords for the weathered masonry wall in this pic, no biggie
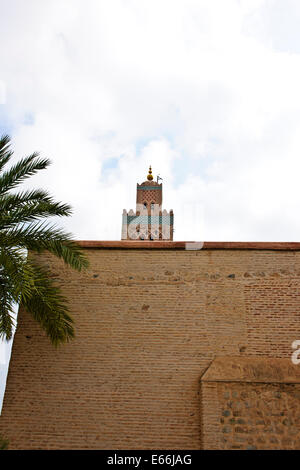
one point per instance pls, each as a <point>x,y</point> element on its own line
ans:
<point>149,322</point>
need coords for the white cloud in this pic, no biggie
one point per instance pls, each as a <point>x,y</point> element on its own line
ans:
<point>199,89</point>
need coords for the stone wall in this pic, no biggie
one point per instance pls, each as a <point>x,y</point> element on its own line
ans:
<point>149,322</point>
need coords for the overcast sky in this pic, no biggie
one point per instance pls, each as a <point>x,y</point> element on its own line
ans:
<point>206,91</point>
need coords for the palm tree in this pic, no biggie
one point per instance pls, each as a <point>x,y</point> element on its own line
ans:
<point>23,229</point>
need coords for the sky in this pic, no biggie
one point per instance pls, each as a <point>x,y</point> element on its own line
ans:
<point>205,91</point>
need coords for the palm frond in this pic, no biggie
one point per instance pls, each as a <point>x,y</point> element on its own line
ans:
<point>12,262</point>
<point>6,309</point>
<point>24,228</point>
<point>11,201</point>
<point>47,305</point>
<point>33,211</point>
<point>70,252</point>
<point>40,236</point>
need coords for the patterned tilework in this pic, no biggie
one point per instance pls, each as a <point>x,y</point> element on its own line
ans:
<point>148,219</point>
<point>149,188</point>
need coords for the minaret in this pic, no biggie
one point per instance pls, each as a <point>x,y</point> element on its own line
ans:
<point>149,222</point>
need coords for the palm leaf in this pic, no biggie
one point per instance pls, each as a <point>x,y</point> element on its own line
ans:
<point>25,168</point>
<point>24,227</point>
<point>5,153</point>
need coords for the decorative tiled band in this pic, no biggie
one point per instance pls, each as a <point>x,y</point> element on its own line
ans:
<point>146,188</point>
<point>148,219</point>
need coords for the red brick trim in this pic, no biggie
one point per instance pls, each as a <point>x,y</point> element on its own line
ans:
<point>181,245</point>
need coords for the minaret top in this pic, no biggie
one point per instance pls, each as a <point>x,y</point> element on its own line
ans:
<point>150,177</point>
<point>150,221</point>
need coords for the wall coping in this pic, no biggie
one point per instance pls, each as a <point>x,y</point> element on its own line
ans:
<point>181,245</point>
<point>252,369</point>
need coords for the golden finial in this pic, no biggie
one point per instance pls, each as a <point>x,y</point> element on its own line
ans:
<point>150,177</point>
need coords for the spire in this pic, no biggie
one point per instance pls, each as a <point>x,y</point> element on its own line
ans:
<point>150,177</point>
<point>149,222</point>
